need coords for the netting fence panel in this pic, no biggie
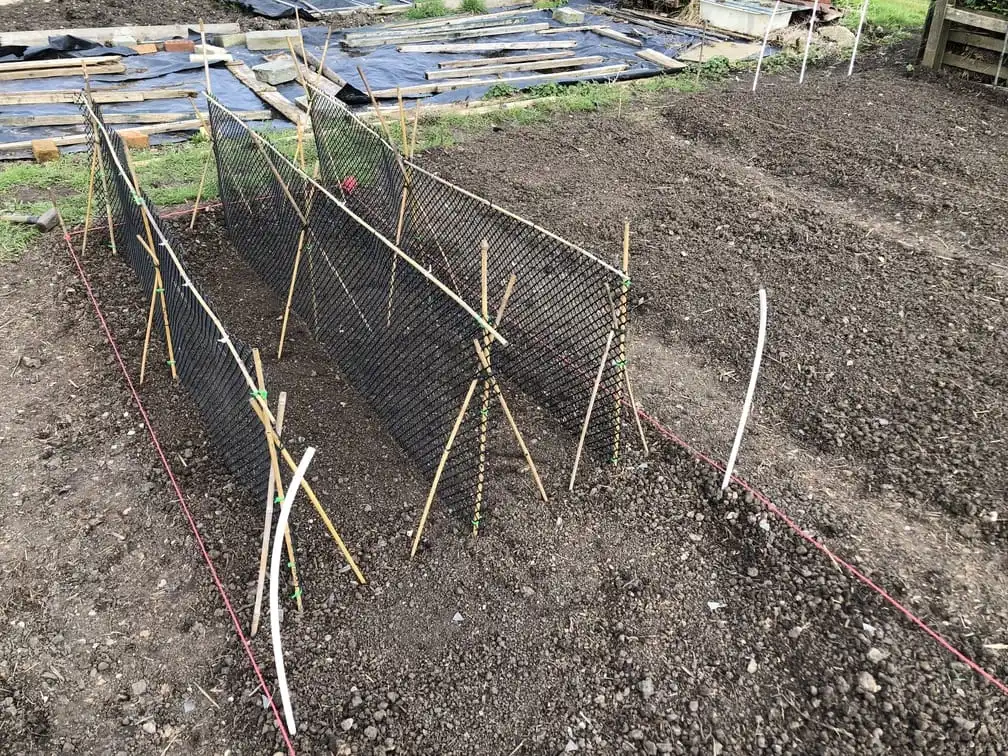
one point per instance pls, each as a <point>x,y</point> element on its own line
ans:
<point>395,334</point>
<point>565,302</point>
<point>215,377</point>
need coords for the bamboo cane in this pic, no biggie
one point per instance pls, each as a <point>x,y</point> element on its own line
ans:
<point>514,426</point>
<point>319,509</point>
<point>621,348</point>
<point>101,160</point>
<point>159,291</point>
<point>485,398</point>
<point>275,476</point>
<point>636,414</point>
<point>441,466</point>
<point>206,58</point>
<point>90,198</point>
<point>591,405</point>
<point>294,271</point>
<point>147,333</point>
<point>268,520</point>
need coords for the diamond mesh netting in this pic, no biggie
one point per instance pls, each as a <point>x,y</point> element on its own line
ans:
<point>398,335</point>
<point>565,302</point>
<point>212,367</point>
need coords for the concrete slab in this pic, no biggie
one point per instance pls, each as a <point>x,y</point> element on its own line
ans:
<point>273,39</point>
<point>278,71</point>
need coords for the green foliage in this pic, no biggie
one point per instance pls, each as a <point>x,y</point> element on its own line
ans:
<point>427,9</point>
<point>498,91</point>
<point>473,6</point>
<point>549,89</point>
<point>994,6</point>
<point>715,68</point>
<point>549,4</point>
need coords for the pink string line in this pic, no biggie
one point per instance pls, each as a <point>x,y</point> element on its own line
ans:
<point>759,495</point>
<point>181,498</point>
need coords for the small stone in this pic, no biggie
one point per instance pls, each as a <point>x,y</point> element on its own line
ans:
<point>150,727</point>
<point>838,35</point>
<point>458,617</point>
<point>347,724</point>
<point>867,683</point>
<point>570,747</point>
<point>527,591</point>
<point>752,572</point>
<point>752,667</point>
<point>371,732</point>
<point>646,687</point>
<point>139,687</point>
<point>875,655</point>
<point>694,706</point>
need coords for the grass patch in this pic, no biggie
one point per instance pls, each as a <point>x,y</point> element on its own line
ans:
<point>886,16</point>
<point>427,9</point>
<point>473,6</point>
<point>549,4</point>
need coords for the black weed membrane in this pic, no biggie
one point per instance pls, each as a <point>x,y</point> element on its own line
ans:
<point>399,335</point>
<point>214,369</point>
<point>565,304</point>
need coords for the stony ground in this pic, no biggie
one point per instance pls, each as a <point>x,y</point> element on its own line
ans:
<point>644,613</point>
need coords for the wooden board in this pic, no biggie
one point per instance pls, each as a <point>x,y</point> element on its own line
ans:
<point>974,65</point>
<point>653,56</point>
<point>315,62</point>
<point>488,47</point>
<point>106,33</point>
<point>977,19</point>
<point>73,119</point>
<point>445,86</point>
<point>983,41</point>
<point>498,60</point>
<point>538,65</point>
<point>433,36</point>
<point>39,65</point>
<point>307,75</point>
<point>66,141</point>
<point>266,93</point>
<point>101,96</point>
<point>605,31</point>
<point>484,19</point>
<point>100,69</point>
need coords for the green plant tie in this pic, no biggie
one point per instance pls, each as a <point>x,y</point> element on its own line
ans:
<point>169,362</point>
<point>159,290</point>
<point>278,499</point>
<point>260,394</point>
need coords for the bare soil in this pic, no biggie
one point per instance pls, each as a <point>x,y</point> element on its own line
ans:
<point>645,612</point>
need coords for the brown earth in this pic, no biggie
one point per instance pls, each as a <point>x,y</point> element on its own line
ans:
<point>644,613</point>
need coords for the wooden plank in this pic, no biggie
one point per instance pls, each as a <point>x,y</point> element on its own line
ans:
<point>972,64</point>
<point>66,141</point>
<point>106,33</point>
<point>476,62</point>
<point>978,19</point>
<point>488,47</point>
<point>101,96</point>
<point>305,75</point>
<point>653,56</point>
<point>314,61</point>
<point>39,65</point>
<point>73,119</point>
<point>354,39</point>
<point>565,29</point>
<point>937,40</point>
<point>100,69</point>
<point>982,41</point>
<point>472,107</point>
<point>605,31</point>
<point>492,31</point>
<point>266,93</point>
<point>539,65</point>
<point>483,19</point>
<point>445,86</point>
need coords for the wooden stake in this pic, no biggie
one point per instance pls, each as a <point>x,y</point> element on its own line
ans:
<point>319,509</point>
<point>374,103</point>
<point>268,521</point>
<point>159,291</point>
<point>591,405</point>
<point>636,415</point>
<point>90,198</point>
<point>206,58</point>
<point>441,466</point>
<point>283,184</point>
<point>275,475</point>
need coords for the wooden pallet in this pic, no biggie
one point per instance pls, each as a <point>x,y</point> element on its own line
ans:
<point>980,30</point>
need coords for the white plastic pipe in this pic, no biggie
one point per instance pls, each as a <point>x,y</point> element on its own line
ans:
<point>760,341</point>
<point>857,37</point>
<point>274,598</point>
<point>808,41</point>
<point>766,38</point>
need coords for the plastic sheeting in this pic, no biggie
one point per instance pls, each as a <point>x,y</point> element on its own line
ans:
<point>314,10</point>
<point>63,46</point>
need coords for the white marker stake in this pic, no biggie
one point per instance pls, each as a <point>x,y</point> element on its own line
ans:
<point>1004,49</point>
<point>760,340</point>
<point>808,41</point>
<point>857,37</point>
<point>274,599</point>
<point>766,38</point>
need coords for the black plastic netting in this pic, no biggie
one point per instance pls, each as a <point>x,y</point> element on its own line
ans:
<point>206,366</point>
<point>394,332</point>
<point>565,301</point>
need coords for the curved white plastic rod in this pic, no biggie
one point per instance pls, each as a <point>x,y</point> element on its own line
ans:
<point>766,38</point>
<point>808,41</point>
<point>857,37</point>
<point>274,599</point>
<point>760,341</point>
